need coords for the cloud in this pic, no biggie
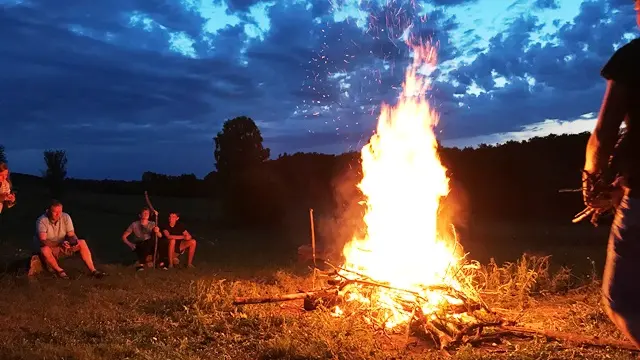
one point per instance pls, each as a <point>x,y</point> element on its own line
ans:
<point>558,78</point>
<point>127,85</point>
<point>546,4</point>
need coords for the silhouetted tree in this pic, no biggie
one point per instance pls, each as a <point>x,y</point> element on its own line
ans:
<point>249,187</point>
<point>238,146</point>
<point>56,172</point>
<point>3,156</point>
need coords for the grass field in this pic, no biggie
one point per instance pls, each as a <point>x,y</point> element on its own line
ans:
<point>187,314</point>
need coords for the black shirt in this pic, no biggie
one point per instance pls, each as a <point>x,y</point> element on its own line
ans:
<point>176,230</point>
<point>624,68</point>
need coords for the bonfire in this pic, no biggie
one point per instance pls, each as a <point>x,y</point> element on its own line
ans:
<point>403,269</point>
<point>406,273</point>
<point>403,272</point>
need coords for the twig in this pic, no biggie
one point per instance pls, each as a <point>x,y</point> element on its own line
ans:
<point>286,297</point>
<point>576,338</point>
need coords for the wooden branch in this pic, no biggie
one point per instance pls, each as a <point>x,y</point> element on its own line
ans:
<point>286,297</point>
<point>576,338</point>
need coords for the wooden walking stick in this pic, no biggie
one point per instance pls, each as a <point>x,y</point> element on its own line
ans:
<point>313,247</point>
<point>155,249</point>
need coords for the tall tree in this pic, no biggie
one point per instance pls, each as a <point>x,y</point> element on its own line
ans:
<point>56,173</point>
<point>238,146</point>
<point>3,156</point>
<point>248,186</point>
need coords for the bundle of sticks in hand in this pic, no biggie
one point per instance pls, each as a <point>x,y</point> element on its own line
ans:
<point>602,192</point>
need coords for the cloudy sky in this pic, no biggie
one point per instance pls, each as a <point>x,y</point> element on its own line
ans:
<point>126,86</point>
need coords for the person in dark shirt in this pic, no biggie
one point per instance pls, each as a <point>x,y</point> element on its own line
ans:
<point>179,241</point>
<point>621,103</point>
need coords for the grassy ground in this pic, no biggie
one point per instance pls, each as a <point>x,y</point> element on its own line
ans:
<point>187,314</point>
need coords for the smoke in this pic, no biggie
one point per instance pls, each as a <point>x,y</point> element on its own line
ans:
<point>347,219</point>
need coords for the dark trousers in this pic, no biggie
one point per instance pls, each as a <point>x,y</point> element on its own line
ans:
<point>620,285</point>
<point>143,249</point>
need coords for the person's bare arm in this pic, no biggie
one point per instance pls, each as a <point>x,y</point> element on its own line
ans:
<point>172,237</point>
<point>125,238</point>
<point>605,134</point>
<point>186,235</point>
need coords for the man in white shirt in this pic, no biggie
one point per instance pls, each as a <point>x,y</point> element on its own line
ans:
<point>55,237</point>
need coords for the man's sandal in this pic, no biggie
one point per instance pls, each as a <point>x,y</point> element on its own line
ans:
<point>62,275</point>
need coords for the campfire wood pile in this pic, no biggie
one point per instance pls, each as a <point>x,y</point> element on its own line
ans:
<point>468,321</point>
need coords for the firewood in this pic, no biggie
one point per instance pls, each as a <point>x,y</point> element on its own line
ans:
<point>287,297</point>
<point>575,338</point>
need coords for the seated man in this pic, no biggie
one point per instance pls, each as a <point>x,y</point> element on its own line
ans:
<point>55,237</point>
<point>179,240</point>
<point>142,243</point>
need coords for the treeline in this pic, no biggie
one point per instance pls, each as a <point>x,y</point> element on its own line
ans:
<point>512,181</point>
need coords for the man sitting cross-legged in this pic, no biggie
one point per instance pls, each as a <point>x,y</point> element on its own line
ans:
<point>56,238</point>
<point>142,243</point>
<point>179,240</point>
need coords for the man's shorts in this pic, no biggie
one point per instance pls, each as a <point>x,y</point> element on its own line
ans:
<point>59,252</point>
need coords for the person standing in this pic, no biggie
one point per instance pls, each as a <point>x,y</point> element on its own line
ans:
<point>621,103</point>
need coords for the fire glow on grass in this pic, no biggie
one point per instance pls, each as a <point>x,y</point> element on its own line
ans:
<point>403,182</point>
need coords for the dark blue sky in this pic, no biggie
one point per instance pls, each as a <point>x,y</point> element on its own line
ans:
<point>126,86</point>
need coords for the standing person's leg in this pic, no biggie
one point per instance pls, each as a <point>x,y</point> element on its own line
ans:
<point>620,286</point>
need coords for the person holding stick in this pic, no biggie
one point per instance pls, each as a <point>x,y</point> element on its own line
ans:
<point>142,243</point>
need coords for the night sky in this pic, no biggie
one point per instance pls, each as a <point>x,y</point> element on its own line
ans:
<point>127,86</point>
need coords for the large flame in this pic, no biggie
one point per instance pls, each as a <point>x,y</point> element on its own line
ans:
<point>403,182</point>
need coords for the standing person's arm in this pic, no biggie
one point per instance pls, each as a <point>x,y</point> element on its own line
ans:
<point>621,72</point>
<point>603,138</point>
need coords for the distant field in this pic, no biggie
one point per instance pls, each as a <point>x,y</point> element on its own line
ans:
<point>101,219</point>
<point>187,314</point>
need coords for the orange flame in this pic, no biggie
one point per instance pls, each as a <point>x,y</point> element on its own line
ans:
<point>403,182</point>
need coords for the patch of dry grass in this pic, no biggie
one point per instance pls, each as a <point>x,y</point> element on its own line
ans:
<point>189,315</point>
